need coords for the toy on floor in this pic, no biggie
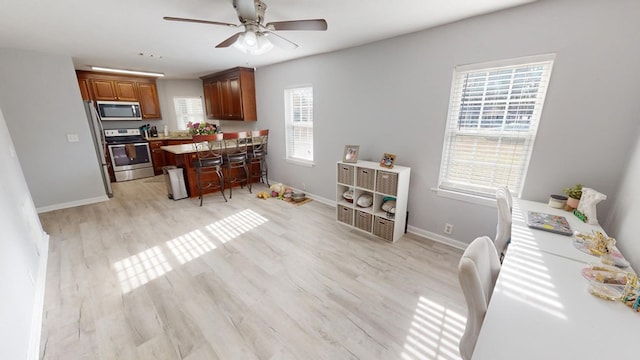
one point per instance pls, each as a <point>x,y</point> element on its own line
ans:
<point>263,195</point>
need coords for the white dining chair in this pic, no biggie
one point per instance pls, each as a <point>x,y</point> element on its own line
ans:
<point>477,272</point>
<point>503,229</point>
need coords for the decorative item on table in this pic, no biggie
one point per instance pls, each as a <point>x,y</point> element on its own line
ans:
<point>549,222</point>
<point>387,160</point>
<point>364,200</point>
<point>202,128</point>
<point>557,201</point>
<point>587,205</point>
<point>574,193</point>
<point>348,195</point>
<point>631,295</point>
<point>608,282</point>
<point>389,206</point>
<point>585,243</point>
<point>350,153</point>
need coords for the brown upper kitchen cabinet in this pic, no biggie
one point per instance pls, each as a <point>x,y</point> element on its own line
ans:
<point>148,97</point>
<point>84,88</point>
<point>99,86</point>
<point>231,95</point>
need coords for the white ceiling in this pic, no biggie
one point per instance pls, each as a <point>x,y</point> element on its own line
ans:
<point>112,33</point>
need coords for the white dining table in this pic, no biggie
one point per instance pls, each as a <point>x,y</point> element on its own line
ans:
<point>560,245</point>
<point>541,308</point>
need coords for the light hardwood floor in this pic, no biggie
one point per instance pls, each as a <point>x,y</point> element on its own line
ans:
<point>145,277</point>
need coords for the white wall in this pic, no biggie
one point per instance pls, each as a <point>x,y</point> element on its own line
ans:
<point>392,96</point>
<point>624,225</point>
<point>41,101</point>
<point>23,259</point>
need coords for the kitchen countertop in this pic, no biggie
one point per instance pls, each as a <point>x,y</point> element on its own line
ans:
<point>170,137</point>
<point>189,148</point>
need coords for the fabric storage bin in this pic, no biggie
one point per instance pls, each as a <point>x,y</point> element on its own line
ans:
<point>387,183</point>
<point>345,214</point>
<point>383,228</point>
<point>365,178</point>
<point>345,174</point>
<point>363,221</point>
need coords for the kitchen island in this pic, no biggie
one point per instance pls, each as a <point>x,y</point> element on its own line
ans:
<point>184,156</point>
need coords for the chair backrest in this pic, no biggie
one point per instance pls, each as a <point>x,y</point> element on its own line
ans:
<point>235,145</point>
<point>503,229</point>
<point>477,272</point>
<point>507,194</point>
<point>208,150</point>
<point>259,141</point>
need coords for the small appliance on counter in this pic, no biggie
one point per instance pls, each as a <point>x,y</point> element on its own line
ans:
<point>153,131</point>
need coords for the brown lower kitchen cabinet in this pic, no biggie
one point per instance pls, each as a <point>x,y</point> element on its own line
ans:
<point>157,155</point>
<point>185,160</point>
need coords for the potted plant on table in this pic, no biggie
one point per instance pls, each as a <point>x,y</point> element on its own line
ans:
<point>574,193</point>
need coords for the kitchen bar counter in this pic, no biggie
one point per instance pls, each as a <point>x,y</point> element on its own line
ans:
<point>183,156</point>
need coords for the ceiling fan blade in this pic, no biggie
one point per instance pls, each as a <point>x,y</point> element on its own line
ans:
<point>199,21</point>
<point>311,24</point>
<point>229,41</point>
<point>279,41</point>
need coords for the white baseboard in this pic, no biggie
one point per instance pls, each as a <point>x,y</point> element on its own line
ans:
<point>38,304</point>
<point>437,237</point>
<point>411,229</point>
<point>73,204</point>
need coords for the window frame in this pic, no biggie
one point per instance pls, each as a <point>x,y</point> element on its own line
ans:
<point>290,125</point>
<point>179,125</point>
<point>456,126</point>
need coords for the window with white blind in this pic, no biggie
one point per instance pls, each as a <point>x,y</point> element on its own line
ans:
<point>188,109</point>
<point>298,103</point>
<point>494,113</point>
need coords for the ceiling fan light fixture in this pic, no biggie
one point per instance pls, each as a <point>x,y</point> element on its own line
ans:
<point>253,43</point>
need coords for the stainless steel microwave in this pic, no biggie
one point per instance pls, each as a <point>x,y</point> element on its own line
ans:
<point>119,110</point>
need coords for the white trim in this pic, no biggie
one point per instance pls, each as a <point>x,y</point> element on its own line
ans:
<point>506,62</point>
<point>72,204</point>
<point>437,237</point>
<point>38,304</point>
<point>474,199</point>
<point>300,162</point>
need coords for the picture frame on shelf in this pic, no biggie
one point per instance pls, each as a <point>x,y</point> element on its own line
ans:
<point>351,153</point>
<point>388,160</point>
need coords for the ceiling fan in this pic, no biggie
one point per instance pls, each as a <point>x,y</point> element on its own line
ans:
<point>258,38</point>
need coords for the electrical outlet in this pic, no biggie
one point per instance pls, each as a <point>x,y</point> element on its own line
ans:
<point>448,229</point>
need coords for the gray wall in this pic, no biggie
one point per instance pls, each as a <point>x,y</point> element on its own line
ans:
<point>392,96</point>
<point>41,101</point>
<point>624,215</point>
<point>23,254</point>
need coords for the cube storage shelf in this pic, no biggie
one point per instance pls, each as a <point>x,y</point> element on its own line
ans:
<point>369,178</point>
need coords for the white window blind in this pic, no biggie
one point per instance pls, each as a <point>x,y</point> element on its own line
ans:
<point>494,112</point>
<point>188,109</point>
<point>299,123</point>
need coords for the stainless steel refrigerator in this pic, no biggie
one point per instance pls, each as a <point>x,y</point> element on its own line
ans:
<point>99,143</point>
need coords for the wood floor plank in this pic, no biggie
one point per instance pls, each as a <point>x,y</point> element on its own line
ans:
<point>145,277</point>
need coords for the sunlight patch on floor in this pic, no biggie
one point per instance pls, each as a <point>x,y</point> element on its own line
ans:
<point>152,263</point>
<point>141,268</point>
<point>435,332</point>
<point>190,246</point>
<point>235,225</point>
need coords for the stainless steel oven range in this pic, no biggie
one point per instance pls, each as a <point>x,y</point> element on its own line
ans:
<point>130,155</point>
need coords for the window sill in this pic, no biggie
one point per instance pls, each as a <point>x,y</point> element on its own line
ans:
<point>474,199</point>
<point>300,162</point>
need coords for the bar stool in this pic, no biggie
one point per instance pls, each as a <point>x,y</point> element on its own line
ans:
<point>258,156</point>
<point>235,160</point>
<point>208,162</point>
